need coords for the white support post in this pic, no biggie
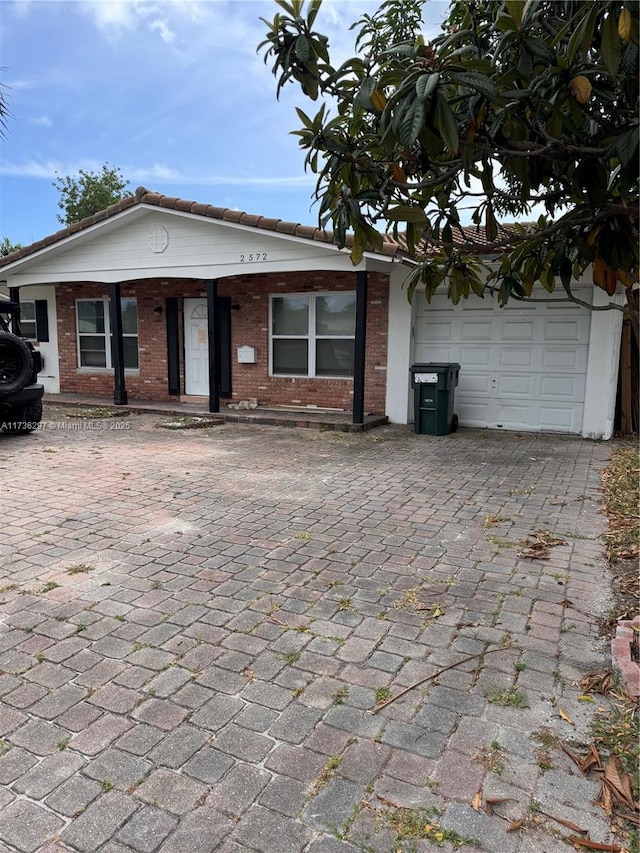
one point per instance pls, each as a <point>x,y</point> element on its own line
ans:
<point>399,349</point>
<point>602,368</point>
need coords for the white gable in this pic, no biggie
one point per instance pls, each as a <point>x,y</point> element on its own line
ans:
<point>145,242</point>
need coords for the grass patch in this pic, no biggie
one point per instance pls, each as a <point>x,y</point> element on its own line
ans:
<point>617,732</point>
<point>621,488</point>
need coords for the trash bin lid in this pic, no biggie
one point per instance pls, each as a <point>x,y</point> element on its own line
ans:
<point>431,366</point>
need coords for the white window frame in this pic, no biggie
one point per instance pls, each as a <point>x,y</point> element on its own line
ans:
<point>106,335</point>
<point>33,337</point>
<point>311,336</point>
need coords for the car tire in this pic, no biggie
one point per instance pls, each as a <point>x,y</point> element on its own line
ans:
<point>16,364</point>
<point>23,419</point>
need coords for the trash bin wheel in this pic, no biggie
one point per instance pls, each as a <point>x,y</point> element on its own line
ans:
<point>454,423</point>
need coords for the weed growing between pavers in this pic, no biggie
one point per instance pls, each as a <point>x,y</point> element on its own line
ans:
<point>79,569</point>
<point>511,698</point>
<point>382,694</point>
<point>491,758</point>
<point>324,776</point>
<point>410,824</point>
<point>340,694</point>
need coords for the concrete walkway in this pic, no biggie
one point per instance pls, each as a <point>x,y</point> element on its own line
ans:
<point>196,626</point>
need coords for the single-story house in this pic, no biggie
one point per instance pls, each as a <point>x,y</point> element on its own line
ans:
<point>158,298</point>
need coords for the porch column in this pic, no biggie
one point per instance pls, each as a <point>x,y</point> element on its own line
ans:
<point>214,346</point>
<point>117,346</point>
<point>14,296</point>
<point>359,355</point>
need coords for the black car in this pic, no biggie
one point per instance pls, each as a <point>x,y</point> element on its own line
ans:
<point>20,363</point>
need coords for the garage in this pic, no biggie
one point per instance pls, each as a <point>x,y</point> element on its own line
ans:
<point>523,367</point>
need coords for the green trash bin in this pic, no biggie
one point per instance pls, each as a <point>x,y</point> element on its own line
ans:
<point>433,391</point>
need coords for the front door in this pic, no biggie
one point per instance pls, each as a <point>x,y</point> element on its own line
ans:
<point>196,347</point>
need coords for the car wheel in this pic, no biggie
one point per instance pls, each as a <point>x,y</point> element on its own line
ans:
<point>16,364</point>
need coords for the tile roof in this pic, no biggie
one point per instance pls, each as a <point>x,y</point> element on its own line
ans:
<point>472,237</point>
<point>390,247</point>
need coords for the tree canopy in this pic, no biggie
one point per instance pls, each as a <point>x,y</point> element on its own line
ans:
<point>87,193</point>
<point>6,247</point>
<point>519,110</point>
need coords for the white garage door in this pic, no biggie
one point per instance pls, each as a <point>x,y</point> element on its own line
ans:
<point>521,367</point>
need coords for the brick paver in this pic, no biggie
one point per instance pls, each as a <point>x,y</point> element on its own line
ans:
<point>196,629</point>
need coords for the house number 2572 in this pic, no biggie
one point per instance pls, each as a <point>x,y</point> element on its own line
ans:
<point>254,256</point>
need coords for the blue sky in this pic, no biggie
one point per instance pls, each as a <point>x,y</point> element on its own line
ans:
<point>170,91</point>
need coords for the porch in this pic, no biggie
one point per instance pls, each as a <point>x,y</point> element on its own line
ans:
<point>297,417</point>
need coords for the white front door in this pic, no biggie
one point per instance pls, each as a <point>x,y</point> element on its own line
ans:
<point>196,348</point>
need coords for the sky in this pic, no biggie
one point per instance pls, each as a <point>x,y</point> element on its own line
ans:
<point>172,92</point>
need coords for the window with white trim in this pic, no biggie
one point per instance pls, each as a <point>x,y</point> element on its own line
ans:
<point>28,326</point>
<point>94,330</point>
<point>312,334</point>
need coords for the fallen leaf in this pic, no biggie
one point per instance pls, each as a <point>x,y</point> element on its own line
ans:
<point>514,825</point>
<point>576,760</point>
<point>594,845</point>
<point>476,802</point>
<point>574,827</point>
<point>604,800</point>
<point>586,699</point>
<point>618,781</point>
<point>597,682</point>
<point>566,717</point>
<point>490,802</point>
<point>591,759</point>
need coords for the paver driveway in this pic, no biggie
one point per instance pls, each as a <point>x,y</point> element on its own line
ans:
<point>195,628</point>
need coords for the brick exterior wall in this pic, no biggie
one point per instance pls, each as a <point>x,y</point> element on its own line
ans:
<point>249,326</point>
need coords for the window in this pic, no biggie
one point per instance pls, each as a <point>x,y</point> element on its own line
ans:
<point>313,334</point>
<point>94,329</point>
<point>28,325</point>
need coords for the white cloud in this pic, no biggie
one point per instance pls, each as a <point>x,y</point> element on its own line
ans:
<point>158,172</point>
<point>43,121</point>
<point>162,27</point>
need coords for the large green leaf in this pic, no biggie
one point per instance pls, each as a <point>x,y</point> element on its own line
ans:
<point>480,82</point>
<point>303,49</point>
<point>515,8</point>
<point>446,123</point>
<point>404,213</point>
<point>610,46</point>
<point>426,86</point>
<point>411,124</point>
<point>627,146</point>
